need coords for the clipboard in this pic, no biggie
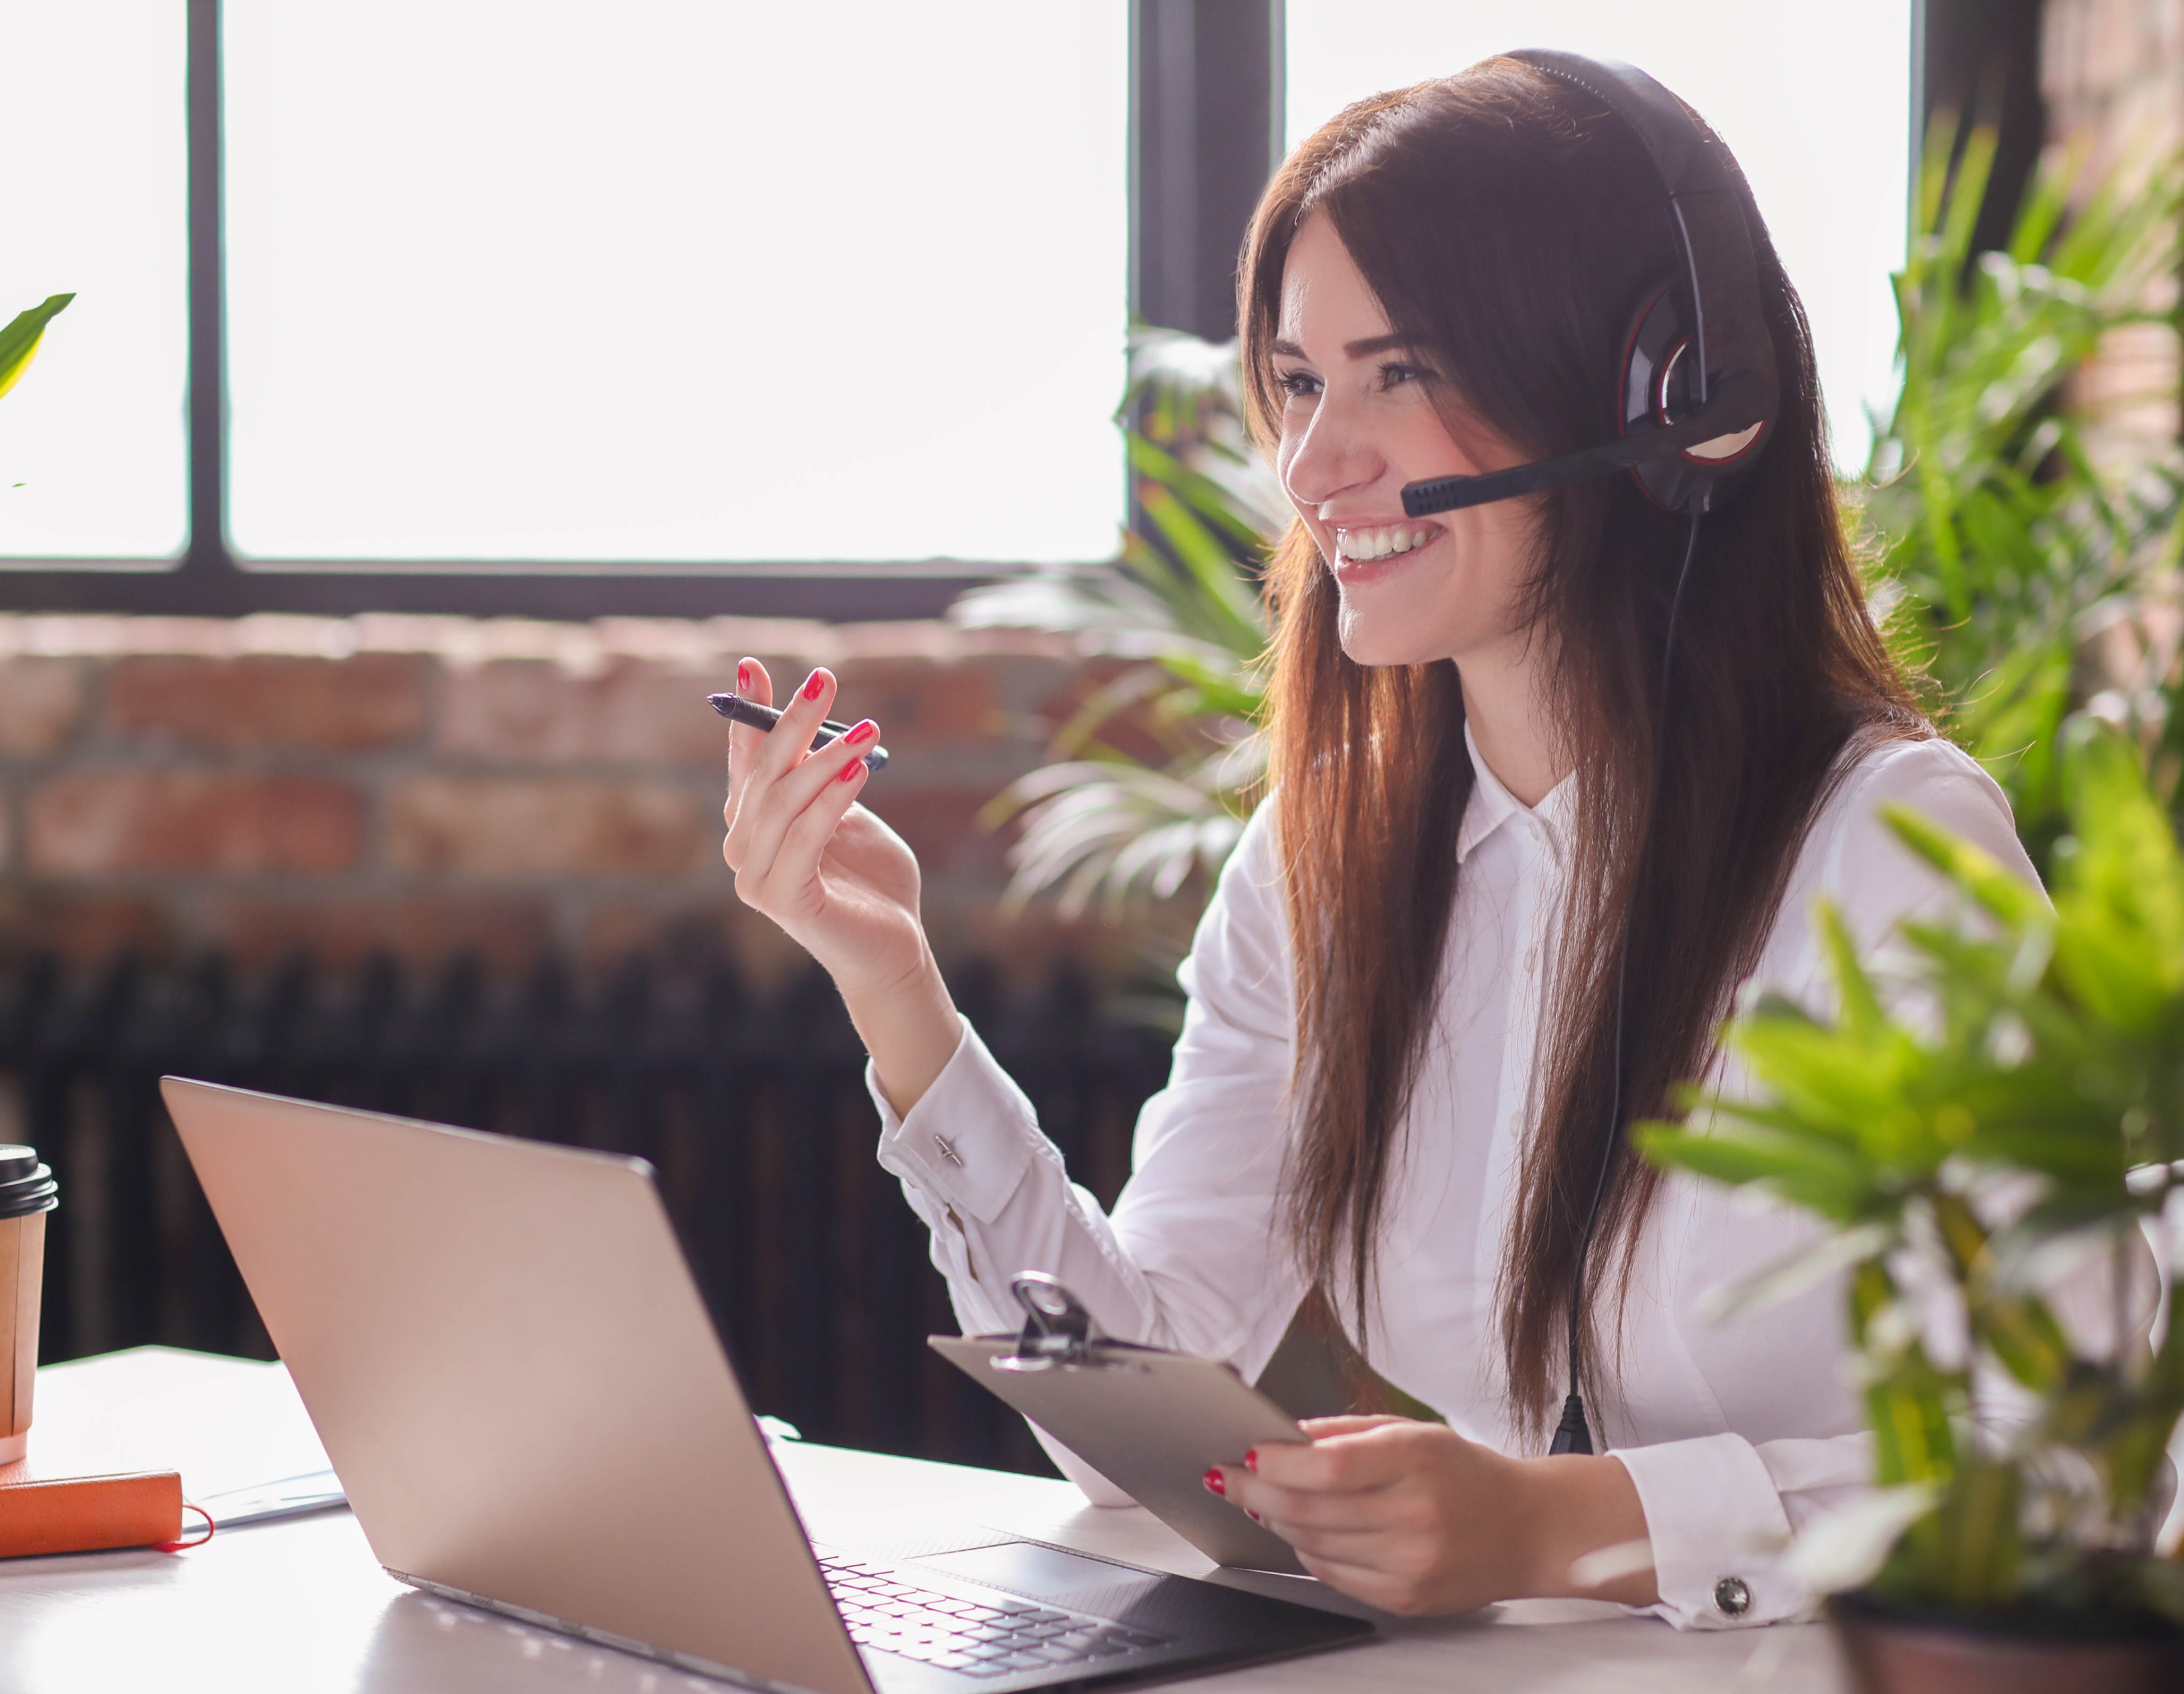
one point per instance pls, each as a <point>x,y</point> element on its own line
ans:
<point>1148,1420</point>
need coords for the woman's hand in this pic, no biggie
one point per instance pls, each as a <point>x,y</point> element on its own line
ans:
<point>1412,1518</point>
<point>838,880</point>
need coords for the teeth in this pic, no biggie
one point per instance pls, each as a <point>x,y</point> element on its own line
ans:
<point>1362,544</point>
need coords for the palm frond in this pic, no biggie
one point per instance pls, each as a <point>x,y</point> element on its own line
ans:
<point>2001,541</point>
<point>1102,829</point>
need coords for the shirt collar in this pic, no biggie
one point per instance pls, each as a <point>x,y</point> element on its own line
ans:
<point>1493,805</point>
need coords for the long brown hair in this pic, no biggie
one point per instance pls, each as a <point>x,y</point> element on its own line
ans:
<point>1508,226</point>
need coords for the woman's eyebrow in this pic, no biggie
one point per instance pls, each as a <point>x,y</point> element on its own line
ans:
<point>1351,349</point>
<point>1377,343</point>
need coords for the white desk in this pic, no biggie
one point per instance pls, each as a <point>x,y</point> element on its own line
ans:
<point>300,1607</point>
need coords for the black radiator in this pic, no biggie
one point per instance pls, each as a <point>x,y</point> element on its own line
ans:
<point>752,1107</point>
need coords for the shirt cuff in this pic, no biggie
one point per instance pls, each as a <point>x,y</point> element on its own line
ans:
<point>970,1137</point>
<point>1718,1534</point>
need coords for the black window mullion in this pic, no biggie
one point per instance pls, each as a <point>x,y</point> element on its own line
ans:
<point>207,568</point>
<point>1206,133</point>
<point>1981,60</point>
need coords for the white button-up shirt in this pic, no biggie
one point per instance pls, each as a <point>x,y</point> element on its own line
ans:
<point>1734,1433</point>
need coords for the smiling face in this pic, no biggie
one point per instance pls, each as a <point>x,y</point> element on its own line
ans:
<point>1363,414</point>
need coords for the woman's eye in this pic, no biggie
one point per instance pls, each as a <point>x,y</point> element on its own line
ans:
<point>1297,385</point>
<point>1396,374</point>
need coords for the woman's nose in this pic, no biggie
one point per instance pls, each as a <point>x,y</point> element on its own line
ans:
<point>1332,454</point>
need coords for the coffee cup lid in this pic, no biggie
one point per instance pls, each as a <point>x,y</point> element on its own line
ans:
<point>25,1185</point>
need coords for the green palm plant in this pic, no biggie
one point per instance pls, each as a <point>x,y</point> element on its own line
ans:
<point>2052,1071</point>
<point>1156,771</point>
<point>2001,543</point>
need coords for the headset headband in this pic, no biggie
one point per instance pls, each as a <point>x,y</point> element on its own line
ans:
<point>1733,380</point>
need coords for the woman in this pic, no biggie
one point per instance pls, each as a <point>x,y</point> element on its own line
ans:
<point>1472,893</point>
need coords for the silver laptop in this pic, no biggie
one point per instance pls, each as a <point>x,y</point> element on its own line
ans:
<point>500,1340</point>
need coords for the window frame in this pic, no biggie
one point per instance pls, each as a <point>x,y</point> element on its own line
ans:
<point>1205,131</point>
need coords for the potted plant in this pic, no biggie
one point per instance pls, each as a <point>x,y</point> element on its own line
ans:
<point>2012,1132</point>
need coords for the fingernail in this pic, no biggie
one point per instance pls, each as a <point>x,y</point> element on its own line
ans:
<point>863,733</point>
<point>1214,1485</point>
<point>743,676</point>
<point>1253,1516</point>
<point>851,770</point>
<point>1251,1460</point>
<point>813,683</point>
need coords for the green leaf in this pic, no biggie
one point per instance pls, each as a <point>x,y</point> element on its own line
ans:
<point>1977,872</point>
<point>1226,607</point>
<point>19,341</point>
<point>2025,1337</point>
<point>1861,1004</point>
<point>1822,1177</point>
<point>1981,1547</point>
<point>1208,499</point>
<point>1909,1413</point>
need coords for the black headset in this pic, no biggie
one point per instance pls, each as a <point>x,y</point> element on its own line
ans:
<point>1696,395</point>
<point>1696,389</point>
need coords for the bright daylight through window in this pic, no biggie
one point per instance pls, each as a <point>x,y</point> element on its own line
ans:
<point>507,286</point>
<point>93,455</point>
<point>532,279</point>
<point>1814,100</point>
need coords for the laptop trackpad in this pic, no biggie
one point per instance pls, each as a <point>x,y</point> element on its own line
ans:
<point>1040,1573</point>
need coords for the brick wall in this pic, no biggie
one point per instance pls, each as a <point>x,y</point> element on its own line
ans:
<point>2112,74</point>
<point>426,785</point>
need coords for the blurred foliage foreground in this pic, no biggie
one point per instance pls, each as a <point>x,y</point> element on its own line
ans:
<point>1974,1159</point>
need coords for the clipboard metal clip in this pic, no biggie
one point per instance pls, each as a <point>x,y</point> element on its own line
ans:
<point>1057,1328</point>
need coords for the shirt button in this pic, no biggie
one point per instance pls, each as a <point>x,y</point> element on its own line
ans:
<point>1732,1595</point>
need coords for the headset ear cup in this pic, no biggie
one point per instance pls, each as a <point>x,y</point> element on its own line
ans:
<point>1659,385</point>
<point>1655,387</point>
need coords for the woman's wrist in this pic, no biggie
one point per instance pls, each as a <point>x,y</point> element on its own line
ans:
<point>1572,1505</point>
<point>911,1027</point>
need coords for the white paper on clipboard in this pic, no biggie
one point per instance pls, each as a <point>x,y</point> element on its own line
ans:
<point>1150,1422</point>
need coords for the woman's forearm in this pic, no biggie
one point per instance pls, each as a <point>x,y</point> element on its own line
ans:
<point>911,1030</point>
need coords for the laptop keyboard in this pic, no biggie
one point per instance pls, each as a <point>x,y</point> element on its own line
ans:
<point>1004,1636</point>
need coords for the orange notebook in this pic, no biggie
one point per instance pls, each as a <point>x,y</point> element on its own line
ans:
<point>56,1514</point>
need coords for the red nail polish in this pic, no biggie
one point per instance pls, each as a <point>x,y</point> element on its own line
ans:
<point>743,676</point>
<point>1214,1483</point>
<point>1251,1460</point>
<point>863,733</point>
<point>851,770</point>
<point>813,684</point>
<point>1253,1516</point>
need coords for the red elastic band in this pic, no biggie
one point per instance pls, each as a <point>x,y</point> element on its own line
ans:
<point>184,1547</point>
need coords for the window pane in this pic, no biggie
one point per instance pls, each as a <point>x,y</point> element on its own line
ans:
<point>91,127</point>
<point>1814,101</point>
<point>675,280</point>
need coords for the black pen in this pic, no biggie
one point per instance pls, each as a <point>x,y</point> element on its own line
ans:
<point>753,716</point>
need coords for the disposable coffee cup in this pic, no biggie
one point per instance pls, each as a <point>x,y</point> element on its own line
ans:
<point>27,1193</point>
